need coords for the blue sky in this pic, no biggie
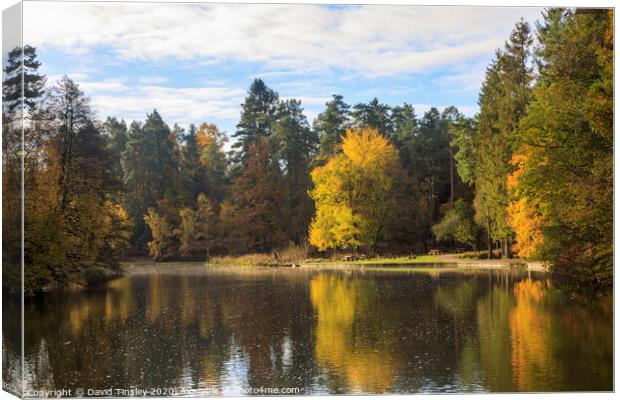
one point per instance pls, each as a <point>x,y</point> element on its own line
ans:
<point>194,62</point>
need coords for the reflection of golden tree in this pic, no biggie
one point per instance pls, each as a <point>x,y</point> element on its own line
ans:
<point>530,327</point>
<point>154,300</point>
<point>361,356</point>
<point>77,314</point>
<point>334,300</point>
<point>119,300</point>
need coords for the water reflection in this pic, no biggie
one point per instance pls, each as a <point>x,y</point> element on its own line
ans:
<point>323,331</point>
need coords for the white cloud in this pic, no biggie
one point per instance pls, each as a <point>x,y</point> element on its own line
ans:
<point>108,85</point>
<point>132,101</point>
<point>152,80</point>
<point>371,40</point>
<point>462,81</point>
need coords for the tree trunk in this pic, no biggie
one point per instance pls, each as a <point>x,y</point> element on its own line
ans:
<point>508,251</point>
<point>451,179</point>
<point>489,250</point>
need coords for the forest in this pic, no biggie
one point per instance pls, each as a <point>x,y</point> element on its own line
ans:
<point>530,175</point>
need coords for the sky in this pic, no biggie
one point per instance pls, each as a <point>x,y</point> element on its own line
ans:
<point>195,62</point>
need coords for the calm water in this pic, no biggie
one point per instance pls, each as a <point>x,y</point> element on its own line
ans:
<point>223,330</point>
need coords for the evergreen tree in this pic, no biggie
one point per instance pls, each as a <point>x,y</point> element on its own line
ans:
<point>294,145</point>
<point>117,136</point>
<point>193,174</point>
<point>259,112</point>
<point>505,94</point>
<point>331,125</point>
<point>22,85</point>
<point>463,134</point>
<point>405,125</point>
<point>428,158</point>
<point>18,132</point>
<point>140,180</point>
<point>163,144</point>
<point>373,115</point>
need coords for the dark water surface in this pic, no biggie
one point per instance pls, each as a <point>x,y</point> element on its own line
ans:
<point>190,329</point>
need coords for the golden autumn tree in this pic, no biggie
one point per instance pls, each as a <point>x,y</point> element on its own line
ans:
<point>354,192</point>
<point>523,214</point>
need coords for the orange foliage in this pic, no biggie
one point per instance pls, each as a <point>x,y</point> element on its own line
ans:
<point>524,216</point>
<point>526,221</point>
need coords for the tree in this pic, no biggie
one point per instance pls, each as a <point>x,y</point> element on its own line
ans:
<point>463,133</point>
<point>259,112</point>
<point>505,94</point>
<point>162,244</point>
<point>331,125</point>
<point>373,115</point>
<point>163,146</point>
<point>74,224</point>
<point>72,113</point>
<point>458,225</point>
<point>258,223</point>
<point>22,94</point>
<point>213,164</point>
<point>426,156</point>
<point>116,231</point>
<point>566,151</point>
<point>405,125</point>
<point>354,192</point>
<point>193,174</point>
<point>490,174</point>
<point>23,86</point>
<point>197,229</point>
<point>117,136</point>
<point>294,145</point>
<point>150,171</point>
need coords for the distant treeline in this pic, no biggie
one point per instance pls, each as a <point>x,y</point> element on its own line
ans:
<point>531,172</point>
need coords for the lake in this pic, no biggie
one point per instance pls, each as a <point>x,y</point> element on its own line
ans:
<point>175,329</point>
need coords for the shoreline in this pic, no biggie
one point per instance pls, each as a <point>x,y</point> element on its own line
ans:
<point>442,262</point>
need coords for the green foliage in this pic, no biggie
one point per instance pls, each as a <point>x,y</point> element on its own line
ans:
<point>116,141</point>
<point>23,86</point>
<point>295,144</point>
<point>197,228</point>
<point>331,125</point>
<point>484,154</point>
<point>568,140</point>
<point>458,225</point>
<point>259,112</point>
<point>373,115</point>
<point>150,170</point>
<point>463,133</point>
